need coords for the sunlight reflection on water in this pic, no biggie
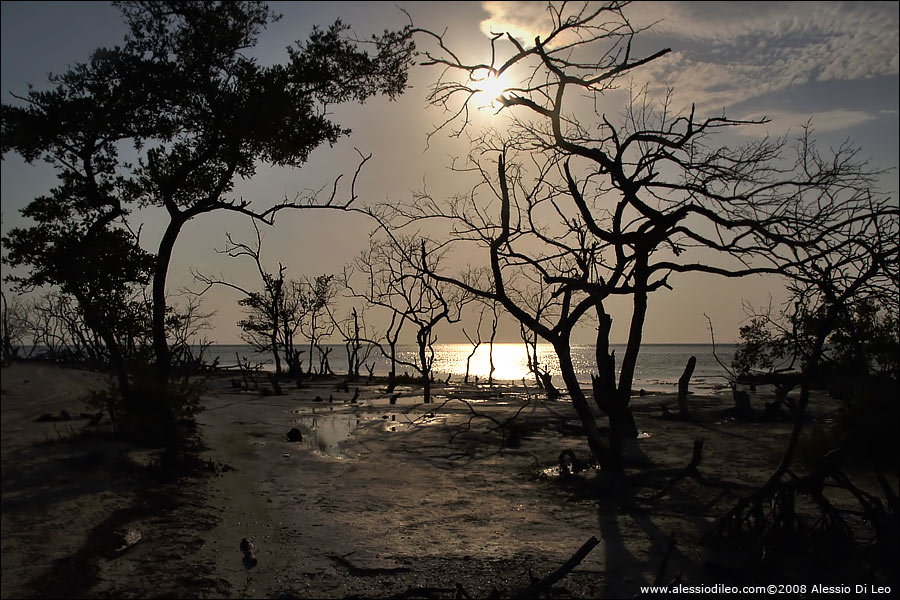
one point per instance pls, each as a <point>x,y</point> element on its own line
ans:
<point>658,369</point>
<point>510,360</point>
<point>324,432</point>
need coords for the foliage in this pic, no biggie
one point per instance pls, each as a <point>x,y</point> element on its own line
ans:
<point>759,349</point>
<point>182,94</point>
<point>861,341</point>
<point>146,416</point>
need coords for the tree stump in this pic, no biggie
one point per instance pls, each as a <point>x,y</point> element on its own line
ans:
<point>683,383</point>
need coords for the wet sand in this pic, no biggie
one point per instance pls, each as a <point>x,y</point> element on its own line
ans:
<point>377,500</point>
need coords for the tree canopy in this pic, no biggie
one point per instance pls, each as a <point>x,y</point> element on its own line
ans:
<point>173,116</point>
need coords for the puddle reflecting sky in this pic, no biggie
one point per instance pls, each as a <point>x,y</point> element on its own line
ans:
<point>324,430</point>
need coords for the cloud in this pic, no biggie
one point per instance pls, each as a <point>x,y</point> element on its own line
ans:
<point>522,20</point>
<point>732,52</point>
<point>782,122</point>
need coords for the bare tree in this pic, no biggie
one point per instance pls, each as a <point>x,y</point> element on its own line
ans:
<point>597,209</point>
<point>394,279</point>
<point>318,296</point>
<point>187,325</point>
<point>367,278</point>
<point>495,321</point>
<point>475,340</point>
<point>13,328</point>
<point>354,331</point>
<point>271,316</point>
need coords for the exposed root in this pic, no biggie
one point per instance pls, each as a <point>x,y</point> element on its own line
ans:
<point>791,516</point>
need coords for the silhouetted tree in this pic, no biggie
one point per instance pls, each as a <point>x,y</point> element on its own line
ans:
<point>270,313</point>
<point>597,209</point>
<point>475,340</point>
<point>183,94</point>
<point>367,278</point>
<point>13,328</point>
<point>354,331</point>
<point>394,279</point>
<point>71,247</point>
<point>318,296</point>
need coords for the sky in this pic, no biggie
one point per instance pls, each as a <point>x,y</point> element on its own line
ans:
<point>835,63</point>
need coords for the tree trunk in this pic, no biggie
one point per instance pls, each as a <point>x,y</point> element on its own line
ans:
<point>607,397</point>
<point>160,344</point>
<point>741,398</point>
<point>312,337</point>
<point>606,457</point>
<point>633,348</point>
<point>116,359</point>
<point>469,361</point>
<point>422,339</point>
<point>275,354</point>
<point>163,258</point>
<point>392,375</point>
<point>683,383</point>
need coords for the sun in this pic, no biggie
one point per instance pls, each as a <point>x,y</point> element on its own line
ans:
<point>490,87</point>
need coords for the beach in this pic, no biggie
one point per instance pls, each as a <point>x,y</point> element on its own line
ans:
<point>376,500</point>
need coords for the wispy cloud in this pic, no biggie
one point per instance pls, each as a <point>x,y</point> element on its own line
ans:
<point>781,122</point>
<point>727,53</point>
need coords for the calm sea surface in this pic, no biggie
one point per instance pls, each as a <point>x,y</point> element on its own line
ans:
<point>658,369</point>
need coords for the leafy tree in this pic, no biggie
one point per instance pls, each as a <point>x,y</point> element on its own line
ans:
<point>100,268</point>
<point>183,96</point>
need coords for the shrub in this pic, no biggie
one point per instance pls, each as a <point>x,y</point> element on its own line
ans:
<point>153,411</point>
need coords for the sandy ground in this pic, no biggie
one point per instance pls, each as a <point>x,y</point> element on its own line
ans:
<point>377,500</point>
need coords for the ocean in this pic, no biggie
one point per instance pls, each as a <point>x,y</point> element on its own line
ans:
<point>658,369</point>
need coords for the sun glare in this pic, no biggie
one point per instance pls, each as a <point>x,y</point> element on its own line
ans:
<point>510,361</point>
<point>490,88</point>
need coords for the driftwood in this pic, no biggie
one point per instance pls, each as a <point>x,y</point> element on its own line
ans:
<point>549,388</point>
<point>542,586</point>
<point>512,435</point>
<point>356,571</point>
<point>570,464</point>
<point>248,372</point>
<point>47,417</point>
